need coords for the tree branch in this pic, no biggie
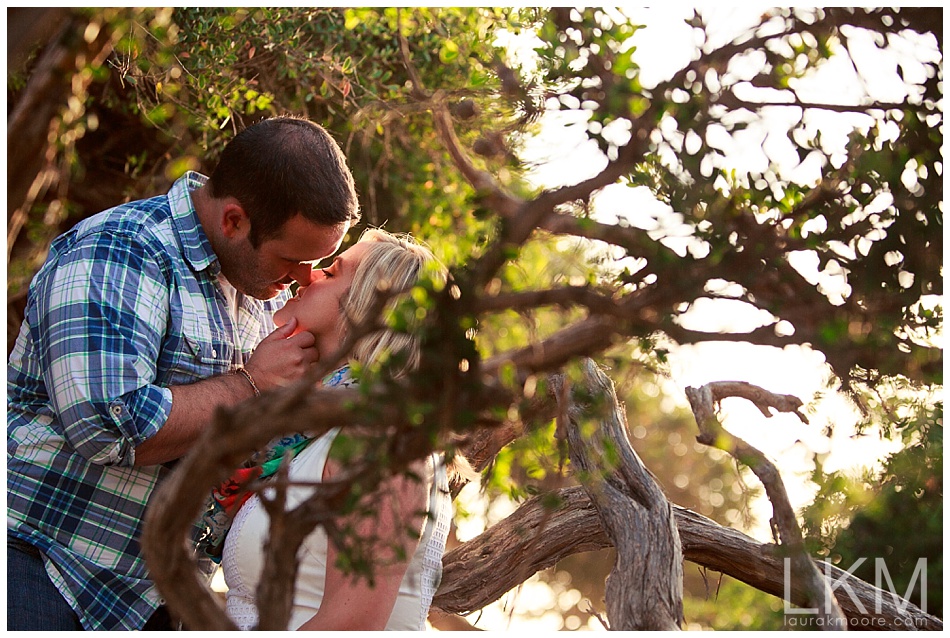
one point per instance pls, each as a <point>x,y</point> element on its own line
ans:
<point>645,586</point>
<point>177,502</point>
<point>586,337</point>
<point>817,593</point>
<point>478,573</point>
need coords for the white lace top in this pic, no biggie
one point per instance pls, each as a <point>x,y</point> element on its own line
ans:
<point>243,555</point>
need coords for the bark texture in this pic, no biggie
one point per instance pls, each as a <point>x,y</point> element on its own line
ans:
<point>645,587</point>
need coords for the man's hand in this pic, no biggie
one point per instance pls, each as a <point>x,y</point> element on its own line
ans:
<point>282,357</point>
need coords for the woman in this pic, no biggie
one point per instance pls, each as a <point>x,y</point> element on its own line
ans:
<point>325,598</point>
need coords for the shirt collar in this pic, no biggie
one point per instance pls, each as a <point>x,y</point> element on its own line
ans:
<point>194,243</point>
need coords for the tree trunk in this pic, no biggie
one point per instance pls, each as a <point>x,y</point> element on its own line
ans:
<point>645,586</point>
<point>45,95</point>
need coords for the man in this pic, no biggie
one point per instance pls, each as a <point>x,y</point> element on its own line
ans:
<point>143,320</point>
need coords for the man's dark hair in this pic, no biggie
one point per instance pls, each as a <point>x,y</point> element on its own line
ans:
<point>282,166</point>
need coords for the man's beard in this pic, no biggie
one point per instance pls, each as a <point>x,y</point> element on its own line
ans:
<point>241,267</point>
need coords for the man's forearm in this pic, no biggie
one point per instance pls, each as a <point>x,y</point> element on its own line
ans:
<point>192,408</point>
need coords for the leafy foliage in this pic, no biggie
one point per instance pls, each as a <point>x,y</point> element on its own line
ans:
<point>907,494</point>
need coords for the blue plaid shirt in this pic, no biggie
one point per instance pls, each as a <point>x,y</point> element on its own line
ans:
<point>128,303</point>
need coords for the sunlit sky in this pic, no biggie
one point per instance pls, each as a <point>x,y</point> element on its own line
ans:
<point>561,155</point>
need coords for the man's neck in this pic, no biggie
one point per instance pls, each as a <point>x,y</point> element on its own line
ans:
<point>208,211</point>
<point>203,204</point>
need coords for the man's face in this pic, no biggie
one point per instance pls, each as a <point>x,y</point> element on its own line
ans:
<point>265,271</point>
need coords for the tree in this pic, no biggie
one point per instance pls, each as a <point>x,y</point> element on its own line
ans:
<point>432,115</point>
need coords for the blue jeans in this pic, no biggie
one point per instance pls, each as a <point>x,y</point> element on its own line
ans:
<point>33,602</point>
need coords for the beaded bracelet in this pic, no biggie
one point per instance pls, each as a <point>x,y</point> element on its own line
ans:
<point>250,379</point>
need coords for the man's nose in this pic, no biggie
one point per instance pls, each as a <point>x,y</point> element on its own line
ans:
<point>302,274</point>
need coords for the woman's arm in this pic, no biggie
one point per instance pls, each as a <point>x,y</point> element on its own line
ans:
<point>349,603</point>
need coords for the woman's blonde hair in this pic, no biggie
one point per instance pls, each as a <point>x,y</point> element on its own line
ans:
<point>391,265</point>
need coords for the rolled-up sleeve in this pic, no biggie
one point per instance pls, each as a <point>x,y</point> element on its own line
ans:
<point>101,317</point>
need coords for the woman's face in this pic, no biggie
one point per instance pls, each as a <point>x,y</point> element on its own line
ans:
<point>317,306</point>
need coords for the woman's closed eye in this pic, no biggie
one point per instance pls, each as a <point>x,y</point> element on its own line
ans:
<point>326,273</point>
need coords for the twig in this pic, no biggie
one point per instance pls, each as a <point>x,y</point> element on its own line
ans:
<point>483,181</point>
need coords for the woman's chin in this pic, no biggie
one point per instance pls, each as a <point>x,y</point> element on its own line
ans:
<point>280,319</point>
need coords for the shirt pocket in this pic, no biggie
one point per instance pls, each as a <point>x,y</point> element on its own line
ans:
<point>198,344</point>
<point>209,349</point>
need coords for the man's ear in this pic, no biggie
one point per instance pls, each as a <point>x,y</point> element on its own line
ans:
<point>235,223</point>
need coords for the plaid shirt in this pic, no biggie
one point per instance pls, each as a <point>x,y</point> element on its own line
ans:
<point>127,304</point>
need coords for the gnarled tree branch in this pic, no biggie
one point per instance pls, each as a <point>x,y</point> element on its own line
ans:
<point>476,573</point>
<point>645,586</point>
<point>817,593</point>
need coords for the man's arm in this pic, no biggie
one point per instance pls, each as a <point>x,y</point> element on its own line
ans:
<point>98,319</point>
<point>192,408</point>
<point>278,360</point>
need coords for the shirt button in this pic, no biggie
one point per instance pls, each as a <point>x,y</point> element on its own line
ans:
<point>214,353</point>
<point>117,410</point>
